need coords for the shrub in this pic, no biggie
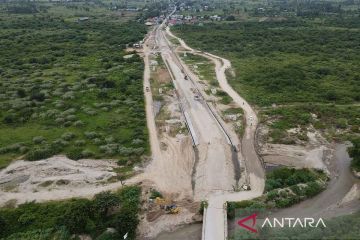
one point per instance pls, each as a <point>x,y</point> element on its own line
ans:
<point>38,96</point>
<point>91,135</point>
<point>126,222</point>
<point>271,195</point>
<point>38,139</point>
<point>60,120</point>
<point>68,136</point>
<point>79,142</point>
<point>23,149</point>
<point>312,189</point>
<point>9,119</point>
<point>230,18</point>
<point>110,139</point>
<point>77,217</point>
<point>284,177</point>
<point>354,153</point>
<point>341,123</point>
<point>109,149</point>
<point>97,141</point>
<point>59,142</point>
<point>70,118</point>
<point>104,201</point>
<point>68,95</point>
<point>301,176</point>
<point>39,153</point>
<point>137,142</point>
<point>154,194</point>
<point>138,151</point>
<point>79,123</point>
<point>124,151</point>
<point>67,124</point>
<point>74,153</point>
<point>203,205</point>
<point>21,93</point>
<point>87,153</point>
<point>298,190</point>
<point>282,202</point>
<point>271,184</point>
<point>4,150</point>
<point>226,100</point>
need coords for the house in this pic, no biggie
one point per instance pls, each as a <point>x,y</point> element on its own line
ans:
<point>215,18</point>
<point>82,19</point>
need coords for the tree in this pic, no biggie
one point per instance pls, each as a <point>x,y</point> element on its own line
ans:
<point>77,217</point>
<point>354,152</point>
<point>126,222</point>
<point>104,201</point>
<point>230,18</point>
<point>38,96</point>
<point>21,92</point>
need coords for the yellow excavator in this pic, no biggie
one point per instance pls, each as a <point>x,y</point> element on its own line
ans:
<point>172,209</point>
<point>165,204</point>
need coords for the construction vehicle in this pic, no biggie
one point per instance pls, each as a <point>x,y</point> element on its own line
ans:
<point>172,209</point>
<point>160,201</point>
<point>167,206</point>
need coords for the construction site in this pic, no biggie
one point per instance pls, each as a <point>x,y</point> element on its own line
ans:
<point>208,148</point>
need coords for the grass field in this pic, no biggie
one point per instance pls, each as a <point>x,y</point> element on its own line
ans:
<point>302,65</point>
<point>65,85</point>
<point>203,66</point>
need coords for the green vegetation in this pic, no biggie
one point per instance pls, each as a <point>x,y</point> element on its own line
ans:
<point>328,118</point>
<point>275,65</point>
<point>154,194</point>
<point>234,111</point>
<point>203,66</point>
<point>236,116</point>
<point>61,219</point>
<point>354,152</point>
<point>65,86</point>
<point>287,177</point>
<point>283,188</point>
<point>203,206</point>
<point>303,58</point>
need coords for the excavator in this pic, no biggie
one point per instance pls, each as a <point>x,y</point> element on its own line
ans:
<point>165,204</point>
<point>172,209</point>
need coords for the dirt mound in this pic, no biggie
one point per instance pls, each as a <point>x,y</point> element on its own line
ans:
<point>153,215</point>
<point>22,179</point>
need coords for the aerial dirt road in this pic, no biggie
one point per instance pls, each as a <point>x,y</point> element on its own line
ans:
<point>214,224</point>
<point>169,170</point>
<point>214,170</point>
<point>330,203</point>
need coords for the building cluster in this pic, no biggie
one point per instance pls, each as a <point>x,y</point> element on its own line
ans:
<point>184,7</point>
<point>154,20</point>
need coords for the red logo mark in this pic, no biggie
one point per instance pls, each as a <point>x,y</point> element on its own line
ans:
<point>253,217</point>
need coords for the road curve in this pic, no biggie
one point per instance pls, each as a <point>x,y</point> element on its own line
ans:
<point>214,170</point>
<point>327,204</point>
<point>215,220</point>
